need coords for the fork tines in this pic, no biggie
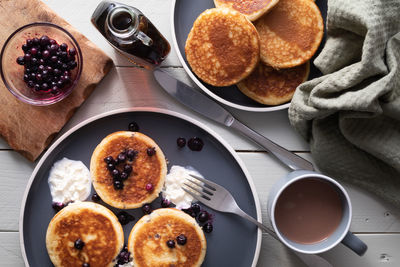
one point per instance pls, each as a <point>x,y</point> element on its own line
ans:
<point>200,191</point>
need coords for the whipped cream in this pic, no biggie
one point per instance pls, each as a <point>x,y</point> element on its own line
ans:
<point>172,187</point>
<point>69,180</point>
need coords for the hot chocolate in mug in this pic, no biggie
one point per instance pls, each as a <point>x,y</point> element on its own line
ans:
<point>311,213</point>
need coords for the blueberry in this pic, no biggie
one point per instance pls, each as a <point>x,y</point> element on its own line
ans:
<point>147,209</point>
<point>195,144</point>
<point>72,65</point>
<point>96,197</point>
<point>181,239</point>
<point>165,203</point>
<point>57,71</point>
<point>208,227</point>
<point>123,257</point>
<point>203,216</point>
<point>190,212</point>
<point>124,217</point>
<point>34,61</point>
<point>79,244</point>
<point>121,157</point>
<point>33,51</point>
<point>52,41</point>
<point>108,159</point>
<point>54,90</point>
<point>41,67</point>
<point>25,48</point>
<point>149,187</point>
<point>131,154</point>
<point>171,243</point>
<point>27,57</point>
<point>45,54</point>
<point>124,176</point>
<point>128,169</point>
<point>151,151</point>
<point>86,264</point>
<point>54,59</point>
<point>20,60</point>
<point>38,77</point>
<point>72,51</point>
<point>57,206</point>
<point>110,166</point>
<point>44,40</point>
<point>195,207</point>
<point>133,126</point>
<point>37,87</point>
<point>118,185</point>
<point>181,142</point>
<point>31,84</point>
<point>45,87</point>
<point>35,41</point>
<point>63,47</point>
<point>29,42</point>
<point>26,77</point>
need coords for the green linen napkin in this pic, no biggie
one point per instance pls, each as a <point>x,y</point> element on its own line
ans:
<point>351,115</point>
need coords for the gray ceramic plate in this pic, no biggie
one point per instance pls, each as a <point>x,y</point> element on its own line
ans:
<point>234,242</point>
<point>184,13</point>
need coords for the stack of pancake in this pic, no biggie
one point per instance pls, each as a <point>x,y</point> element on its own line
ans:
<point>89,234</point>
<point>262,46</point>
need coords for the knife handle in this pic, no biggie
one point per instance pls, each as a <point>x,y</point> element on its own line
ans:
<point>288,158</point>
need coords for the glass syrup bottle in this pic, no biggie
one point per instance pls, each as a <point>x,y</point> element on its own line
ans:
<point>131,33</point>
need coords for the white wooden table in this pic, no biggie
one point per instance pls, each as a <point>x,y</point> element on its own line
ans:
<point>375,222</point>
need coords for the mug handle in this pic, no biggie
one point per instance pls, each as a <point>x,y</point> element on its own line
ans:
<point>354,243</point>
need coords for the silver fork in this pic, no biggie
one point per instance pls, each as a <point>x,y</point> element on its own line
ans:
<point>218,198</point>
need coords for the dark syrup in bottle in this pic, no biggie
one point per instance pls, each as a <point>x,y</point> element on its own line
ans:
<point>131,33</point>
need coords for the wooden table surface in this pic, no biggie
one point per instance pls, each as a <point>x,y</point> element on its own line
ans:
<point>374,221</point>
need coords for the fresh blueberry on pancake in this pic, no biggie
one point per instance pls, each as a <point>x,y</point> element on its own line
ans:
<point>138,163</point>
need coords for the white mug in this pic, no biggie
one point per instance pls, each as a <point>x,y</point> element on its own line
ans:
<point>341,234</point>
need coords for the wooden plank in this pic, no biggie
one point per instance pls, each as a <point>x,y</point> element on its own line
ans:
<point>15,171</point>
<point>383,251</point>
<point>78,13</point>
<point>10,252</point>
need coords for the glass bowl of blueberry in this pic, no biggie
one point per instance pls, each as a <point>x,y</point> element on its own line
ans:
<point>41,63</point>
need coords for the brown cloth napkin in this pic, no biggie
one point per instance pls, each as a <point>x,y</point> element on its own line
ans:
<point>30,129</point>
<point>351,115</point>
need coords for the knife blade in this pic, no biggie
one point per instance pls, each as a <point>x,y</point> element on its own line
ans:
<point>210,109</point>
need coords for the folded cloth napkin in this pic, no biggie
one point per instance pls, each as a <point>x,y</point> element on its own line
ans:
<point>351,115</point>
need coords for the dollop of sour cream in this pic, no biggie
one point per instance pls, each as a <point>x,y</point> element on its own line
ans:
<point>69,180</point>
<point>172,187</point>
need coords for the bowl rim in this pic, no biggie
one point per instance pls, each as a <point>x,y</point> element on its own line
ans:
<point>70,89</point>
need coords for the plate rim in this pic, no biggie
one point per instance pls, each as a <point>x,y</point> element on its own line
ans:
<point>205,89</point>
<point>175,114</point>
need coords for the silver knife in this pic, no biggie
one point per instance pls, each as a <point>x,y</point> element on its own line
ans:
<point>207,107</point>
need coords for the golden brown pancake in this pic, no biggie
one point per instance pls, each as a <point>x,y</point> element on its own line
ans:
<point>252,9</point>
<point>146,170</point>
<point>95,225</point>
<point>148,240</point>
<point>290,33</point>
<point>222,47</point>
<point>269,86</point>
